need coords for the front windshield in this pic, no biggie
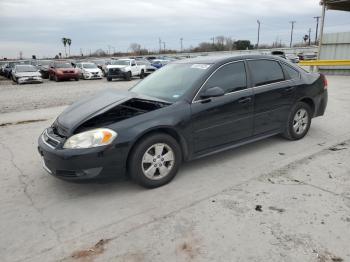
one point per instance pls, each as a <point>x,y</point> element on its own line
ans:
<point>171,82</point>
<point>120,62</point>
<point>63,65</point>
<point>26,68</point>
<point>89,66</point>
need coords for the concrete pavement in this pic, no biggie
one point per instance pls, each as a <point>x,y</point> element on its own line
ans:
<point>207,213</point>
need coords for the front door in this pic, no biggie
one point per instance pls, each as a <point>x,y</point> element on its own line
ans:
<point>219,121</point>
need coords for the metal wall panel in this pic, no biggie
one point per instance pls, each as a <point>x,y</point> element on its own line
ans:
<point>335,46</point>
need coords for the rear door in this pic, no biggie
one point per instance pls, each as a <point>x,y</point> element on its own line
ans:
<point>223,120</point>
<point>274,95</point>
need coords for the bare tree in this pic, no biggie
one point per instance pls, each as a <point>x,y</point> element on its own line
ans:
<point>135,47</point>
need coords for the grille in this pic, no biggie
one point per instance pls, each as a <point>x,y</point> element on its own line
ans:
<point>50,140</point>
<point>66,173</point>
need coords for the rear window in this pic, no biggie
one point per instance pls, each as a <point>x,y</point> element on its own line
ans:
<point>293,73</point>
<point>265,72</point>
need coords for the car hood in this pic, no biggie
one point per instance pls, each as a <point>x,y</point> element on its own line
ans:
<point>79,112</point>
<point>116,66</point>
<point>92,70</point>
<point>27,74</point>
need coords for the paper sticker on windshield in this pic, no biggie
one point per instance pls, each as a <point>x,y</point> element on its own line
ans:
<point>200,66</point>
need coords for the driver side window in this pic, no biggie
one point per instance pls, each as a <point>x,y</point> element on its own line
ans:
<point>230,77</point>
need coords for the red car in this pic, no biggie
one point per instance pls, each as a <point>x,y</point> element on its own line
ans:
<point>62,70</point>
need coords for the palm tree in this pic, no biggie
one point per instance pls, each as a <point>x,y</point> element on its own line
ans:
<point>69,42</point>
<point>64,41</point>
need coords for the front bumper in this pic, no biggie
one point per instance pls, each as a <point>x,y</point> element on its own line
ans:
<point>82,164</point>
<point>67,76</point>
<point>92,76</point>
<point>28,80</point>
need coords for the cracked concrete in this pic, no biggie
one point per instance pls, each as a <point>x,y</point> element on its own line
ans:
<point>206,214</point>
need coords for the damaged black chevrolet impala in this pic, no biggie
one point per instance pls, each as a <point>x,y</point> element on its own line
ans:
<point>186,110</point>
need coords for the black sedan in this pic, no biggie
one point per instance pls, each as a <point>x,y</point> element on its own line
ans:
<point>186,110</point>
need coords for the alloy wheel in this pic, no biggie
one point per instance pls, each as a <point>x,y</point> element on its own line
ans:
<point>158,161</point>
<point>300,121</point>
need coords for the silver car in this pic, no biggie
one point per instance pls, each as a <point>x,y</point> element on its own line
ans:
<point>22,74</point>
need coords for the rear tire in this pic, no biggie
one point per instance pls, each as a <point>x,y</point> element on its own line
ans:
<point>109,79</point>
<point>155,160</point>
<point>77,79</point>
<point>142,74</point>
<point>298,122</point>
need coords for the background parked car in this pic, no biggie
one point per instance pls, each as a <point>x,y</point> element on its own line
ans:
<point>2,66</point>
<point>89,70</point>
<point>43,67</point>
<point>22,74</point>
<point>158,63</point>
<point>62,70</point>
<point>149,68</point>
<point>101,64</point>
<point>124,68</point>
<point>307,56</point>
<point>8,68</point>
<point>293,58</point>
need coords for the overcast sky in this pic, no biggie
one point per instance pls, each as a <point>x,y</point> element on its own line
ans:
<point>37,26</point>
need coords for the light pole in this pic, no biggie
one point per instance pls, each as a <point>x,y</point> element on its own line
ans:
<point>291,33</point>
<point>257,44</point>
<point>181,39</point>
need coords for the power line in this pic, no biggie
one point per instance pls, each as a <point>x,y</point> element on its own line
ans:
<point>291,33</point>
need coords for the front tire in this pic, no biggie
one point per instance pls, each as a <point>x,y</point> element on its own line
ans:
<point>142,74</point>
<point>56,78</point>
<point>128,76</point>
<point>299,122</point>
<point>155,160</point>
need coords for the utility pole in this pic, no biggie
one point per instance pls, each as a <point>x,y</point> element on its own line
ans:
<point>291,33</point>
<point>317,20</point>
<point>257,44</point>
<point>164,46</point>
<point>213,38</point>
<point>181,39</point>
<point>323,16</point>
<point>160,44</point>
<point>309,36</point>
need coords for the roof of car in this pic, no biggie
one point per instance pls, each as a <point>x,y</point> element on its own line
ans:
<point>222,59</point>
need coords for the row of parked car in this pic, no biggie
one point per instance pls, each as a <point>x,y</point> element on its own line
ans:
<point>34,71</point>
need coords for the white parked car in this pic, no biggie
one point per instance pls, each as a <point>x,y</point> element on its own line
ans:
<point>22,74</point>
<point>124,68</point>
<point>89,70</point>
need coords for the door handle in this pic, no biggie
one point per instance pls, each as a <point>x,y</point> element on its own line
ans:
<point>244,100</point>
<point>289,89</point>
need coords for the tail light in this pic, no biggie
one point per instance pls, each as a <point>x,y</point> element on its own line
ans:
<point>325,82</point>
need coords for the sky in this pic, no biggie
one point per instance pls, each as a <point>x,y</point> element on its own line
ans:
<point>35,27</point>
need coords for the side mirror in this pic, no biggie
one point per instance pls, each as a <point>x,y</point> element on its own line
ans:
<point>213,92</point>
<point>133,64</point>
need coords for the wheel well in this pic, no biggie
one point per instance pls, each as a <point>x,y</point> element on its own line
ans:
<point>309,102</point>
<point>168,131</point>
